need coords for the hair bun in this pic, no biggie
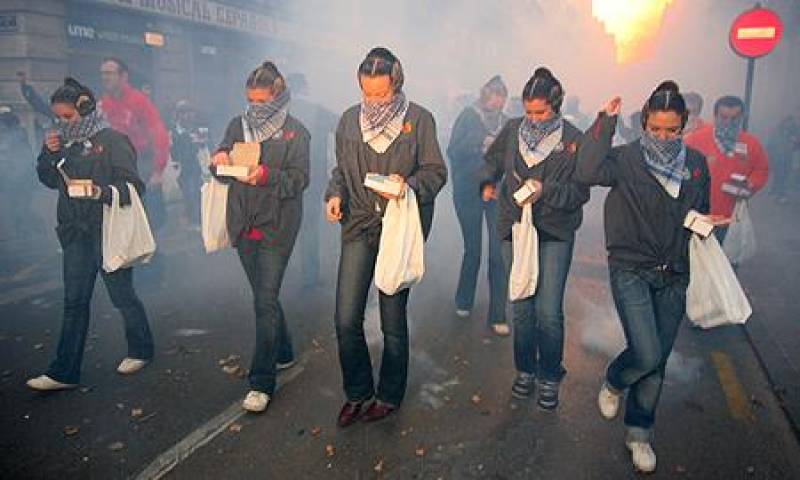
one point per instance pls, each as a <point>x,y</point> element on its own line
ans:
<point>668,86</point>
<point>543,72</point>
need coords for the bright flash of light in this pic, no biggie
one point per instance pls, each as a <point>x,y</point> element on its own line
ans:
<point>634,24</point>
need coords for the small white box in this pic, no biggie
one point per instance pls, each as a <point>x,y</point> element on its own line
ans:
<point>383,184</point>
<point>233,170</point>
<point>80,188</point>
<point>525,192</point>
<point>698,223</point>
<point>738,177</point>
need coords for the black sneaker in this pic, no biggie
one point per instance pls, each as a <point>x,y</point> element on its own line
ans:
<point>548,395</point>
<point>523,385</point>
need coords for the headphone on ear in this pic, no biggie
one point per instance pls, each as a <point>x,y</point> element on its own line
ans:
<point>85,104</point>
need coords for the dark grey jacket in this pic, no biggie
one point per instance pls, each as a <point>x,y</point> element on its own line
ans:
<point>110,160</point>
<point>558,213</point>
<point>415,156</point>
<point>644,225</point>
<point>275,209</point>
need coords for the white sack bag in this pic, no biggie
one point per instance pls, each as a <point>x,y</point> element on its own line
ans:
<point>400,263</point>
<point>127,238</point>
<point>524,275</point>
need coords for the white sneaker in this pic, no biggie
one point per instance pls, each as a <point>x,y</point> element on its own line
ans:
<point>608,402</point>
<point>131,365</point>
<point>44,383</point>
<point>643,456</point>
<point>463,313</point>
<point>255,401</point>
<point>501,329</point>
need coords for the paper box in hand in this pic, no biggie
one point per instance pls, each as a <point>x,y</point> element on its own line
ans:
<point>233,170</point>
<point>698,223</point>
<point>383,184</point>
<point>80,188</point>
<point>246,154</point>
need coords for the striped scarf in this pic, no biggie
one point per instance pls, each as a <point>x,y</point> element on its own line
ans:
<point>665,159</point>
<point>532,135</point>
<point>382,123</point>
<point>83,129</point>
<point>267,119</point>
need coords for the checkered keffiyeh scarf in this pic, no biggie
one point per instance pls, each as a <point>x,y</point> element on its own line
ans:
<point>83,129</point>
<point>665,159</point>
<point>531,136</point>
<point>726,134</point>
<point>382,123</point>
<point>267,119</point>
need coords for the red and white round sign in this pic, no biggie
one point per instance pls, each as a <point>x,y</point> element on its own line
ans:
<point>755,33</point>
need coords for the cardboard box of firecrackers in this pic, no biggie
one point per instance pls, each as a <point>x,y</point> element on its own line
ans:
<point>383,184</point>
<point>244,157</point>
<point>698,223</point>
<point>78,188</point>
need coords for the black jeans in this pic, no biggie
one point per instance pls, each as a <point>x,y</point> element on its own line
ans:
<point>471,210</point>
<point>651,305</point>
<point>356,270</point>
<point>83,259</point>
<point>265,267</point>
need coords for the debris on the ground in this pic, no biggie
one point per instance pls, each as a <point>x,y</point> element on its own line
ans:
<point>235,427</point>
<point>379,466</point>
<point>329,450</point>
<point>116,446</point>
<point>38,346</point>
<point>71,430</point>
<point>137,412</point>
<point>420,451</point>
<point>316,431</point>
<point>476,399</point>
<point>120,406</point>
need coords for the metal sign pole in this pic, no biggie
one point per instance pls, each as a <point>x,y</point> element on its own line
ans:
<point>748,91</point>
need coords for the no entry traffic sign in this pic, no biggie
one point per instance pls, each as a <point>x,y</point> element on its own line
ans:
<point>755,33</point>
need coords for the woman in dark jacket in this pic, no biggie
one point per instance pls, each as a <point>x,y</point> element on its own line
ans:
<point>264,214</point>
<point>86,148</point>
<point>539,151</point>
<point>389,135</point>
<point>474,132</point>
<point>655,182</point>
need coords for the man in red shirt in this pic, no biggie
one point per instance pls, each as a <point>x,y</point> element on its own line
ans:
<point>736,160</point>
<point>129,111</point>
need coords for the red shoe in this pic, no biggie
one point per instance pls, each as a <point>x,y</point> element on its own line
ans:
<point>350,413</point>
<point>378,411</point>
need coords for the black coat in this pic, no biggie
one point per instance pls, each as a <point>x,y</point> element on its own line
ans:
<point>108,159</point>
<point>276,208</point>
<point>643,223</point>
<point>558,212</point>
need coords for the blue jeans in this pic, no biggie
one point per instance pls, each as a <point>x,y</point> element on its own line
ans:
<point>471,210</point>
<point>356,270</point>
<point>265,268</point>
<point>83,259</point>
<point>651,305</point>
<point>539,320</point>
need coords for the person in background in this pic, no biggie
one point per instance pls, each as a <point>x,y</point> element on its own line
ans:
<point>694,102</point>
<point>188,140</point>
<point>16,165</point>
<point>43,121</point>
<point>737,161</point>
<point>131,112</point>
<point>633,132</point>
<point>264,212</point>
<point>474,131</point>
<point>322,124</point>
<point>389,135</point>
<point>538,150</point>
<point>655,182</point>
<point>573,114</point>
<point>783,145</point>
<point>85,147</point>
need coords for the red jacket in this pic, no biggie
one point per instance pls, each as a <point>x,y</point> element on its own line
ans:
<point>750,160</point>
<point>133,114</point>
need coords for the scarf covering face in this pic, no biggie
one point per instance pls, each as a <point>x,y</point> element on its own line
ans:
<point>665,159</point>
<point>83,129</point>
<point>382,123</point>
<point>538,139</point>
<point>493,120</point>
<point>267,119</point>
<point>726,134</point>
